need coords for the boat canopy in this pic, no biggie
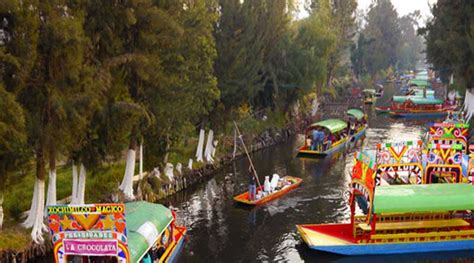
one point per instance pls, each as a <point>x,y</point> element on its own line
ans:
<point>145,223</point>
<point>356,113</point>
<point>423,198</point>
<point>417,100</point>
<point>419,83</point>
<point>333,125</point>
<point>369,91</point>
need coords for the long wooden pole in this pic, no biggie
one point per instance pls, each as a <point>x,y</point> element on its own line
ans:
<point>248,156</point>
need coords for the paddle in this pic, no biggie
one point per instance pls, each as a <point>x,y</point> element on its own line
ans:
<point>248,156</point>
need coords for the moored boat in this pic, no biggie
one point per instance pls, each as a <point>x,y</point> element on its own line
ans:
<point>131,232</point>
<point>286,184</point>
<point>420,107</point>
<point>398,218</point>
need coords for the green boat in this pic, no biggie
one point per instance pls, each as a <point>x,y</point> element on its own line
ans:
<point>131,232</point>
<point>356,113</point>
<point>417,100</point>
<point>336,128</point>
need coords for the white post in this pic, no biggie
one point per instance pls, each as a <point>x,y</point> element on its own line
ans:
<point>200,146</point>
<point>51,198</point>
<point>208,151</point>
<point>74,183</point>
<point>179,168</point>
<point>140,175</point>
<point>81,188</point>
<point>127,182</point>
<point>190,164</point>
<point>35,215</point>
<point>34,203</point>
<point>1,211</point>
<point>38,226</point>
<point>169,171</point>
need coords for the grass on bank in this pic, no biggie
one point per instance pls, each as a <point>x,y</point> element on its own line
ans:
<point>14,238</point>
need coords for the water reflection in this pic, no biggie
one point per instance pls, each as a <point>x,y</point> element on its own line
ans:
<point>221,230</point>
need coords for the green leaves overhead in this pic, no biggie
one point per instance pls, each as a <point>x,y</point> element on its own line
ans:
<point>93,77</point>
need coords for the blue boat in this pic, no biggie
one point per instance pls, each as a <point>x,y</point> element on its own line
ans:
<point>399,218</point>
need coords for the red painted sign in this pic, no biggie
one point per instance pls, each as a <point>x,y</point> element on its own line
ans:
<point>90,247</point>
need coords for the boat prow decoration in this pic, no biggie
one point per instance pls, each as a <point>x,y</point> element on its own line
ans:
<point>398,218</point>
<point>122,233</point>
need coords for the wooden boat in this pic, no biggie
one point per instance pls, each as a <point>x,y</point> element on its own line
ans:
<point>398,219</point>
<point>288,183</point>
<point>284,185</point>
<point>131,232</point>
<point>357,117</point>
<point>420,107</point>
<point>369,96</point>
<point>330,126</point>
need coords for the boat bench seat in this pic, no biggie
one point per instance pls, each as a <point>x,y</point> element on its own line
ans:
<point>415,224</point>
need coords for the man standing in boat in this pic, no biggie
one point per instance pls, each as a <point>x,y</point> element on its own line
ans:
<point>252,185</point>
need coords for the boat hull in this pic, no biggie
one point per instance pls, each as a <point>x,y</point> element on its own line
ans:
<point>405,114</point>
<point>334,243</point>
<point>243,198</point>
<point>178,247</point>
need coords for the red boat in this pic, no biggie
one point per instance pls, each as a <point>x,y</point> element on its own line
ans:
<point>289,183</point>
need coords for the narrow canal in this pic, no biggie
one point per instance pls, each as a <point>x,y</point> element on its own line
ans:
<point>222,231</point>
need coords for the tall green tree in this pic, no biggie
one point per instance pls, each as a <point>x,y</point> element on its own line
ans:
<point>449,37</point>
<point>384,35</point>
<point>411,45</point>
<point>50,83</point>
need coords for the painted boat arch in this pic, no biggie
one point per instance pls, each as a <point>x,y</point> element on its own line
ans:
<point>399,219</point>
<point>332,125</point>
<point>114,232</point>
<point>356,113</point>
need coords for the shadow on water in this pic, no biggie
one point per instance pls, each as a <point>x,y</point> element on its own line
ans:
<point>220,230</point>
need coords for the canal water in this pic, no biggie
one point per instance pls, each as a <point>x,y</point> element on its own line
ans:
<point>222,231</point>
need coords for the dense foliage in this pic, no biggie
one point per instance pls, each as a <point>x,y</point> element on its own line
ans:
<point>449,39</point>
<point>386,42</point>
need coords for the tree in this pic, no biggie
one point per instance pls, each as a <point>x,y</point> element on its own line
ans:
<point>12,139</point>
<point>449,37</point>
<point>411,44</point>
<point>381,38</point>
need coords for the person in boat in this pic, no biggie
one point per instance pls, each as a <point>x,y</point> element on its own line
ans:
<point>252,185</point>
<point>318,137</point>
<point>309,142</point>
<point>315,135</point>
<point>331,140</point>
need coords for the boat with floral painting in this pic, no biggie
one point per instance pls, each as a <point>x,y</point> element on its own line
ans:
<point>130,232</point>
<point>397,218</point>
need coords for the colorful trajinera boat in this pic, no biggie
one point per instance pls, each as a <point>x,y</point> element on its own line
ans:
<point>357,124</point>
<point>416,107</point>
<point>337,133</point>
<point>398,218</point>
<point>131,232</point>
<point>285,185</point>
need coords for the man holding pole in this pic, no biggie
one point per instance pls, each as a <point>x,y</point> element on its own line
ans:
<point>252,186</point>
